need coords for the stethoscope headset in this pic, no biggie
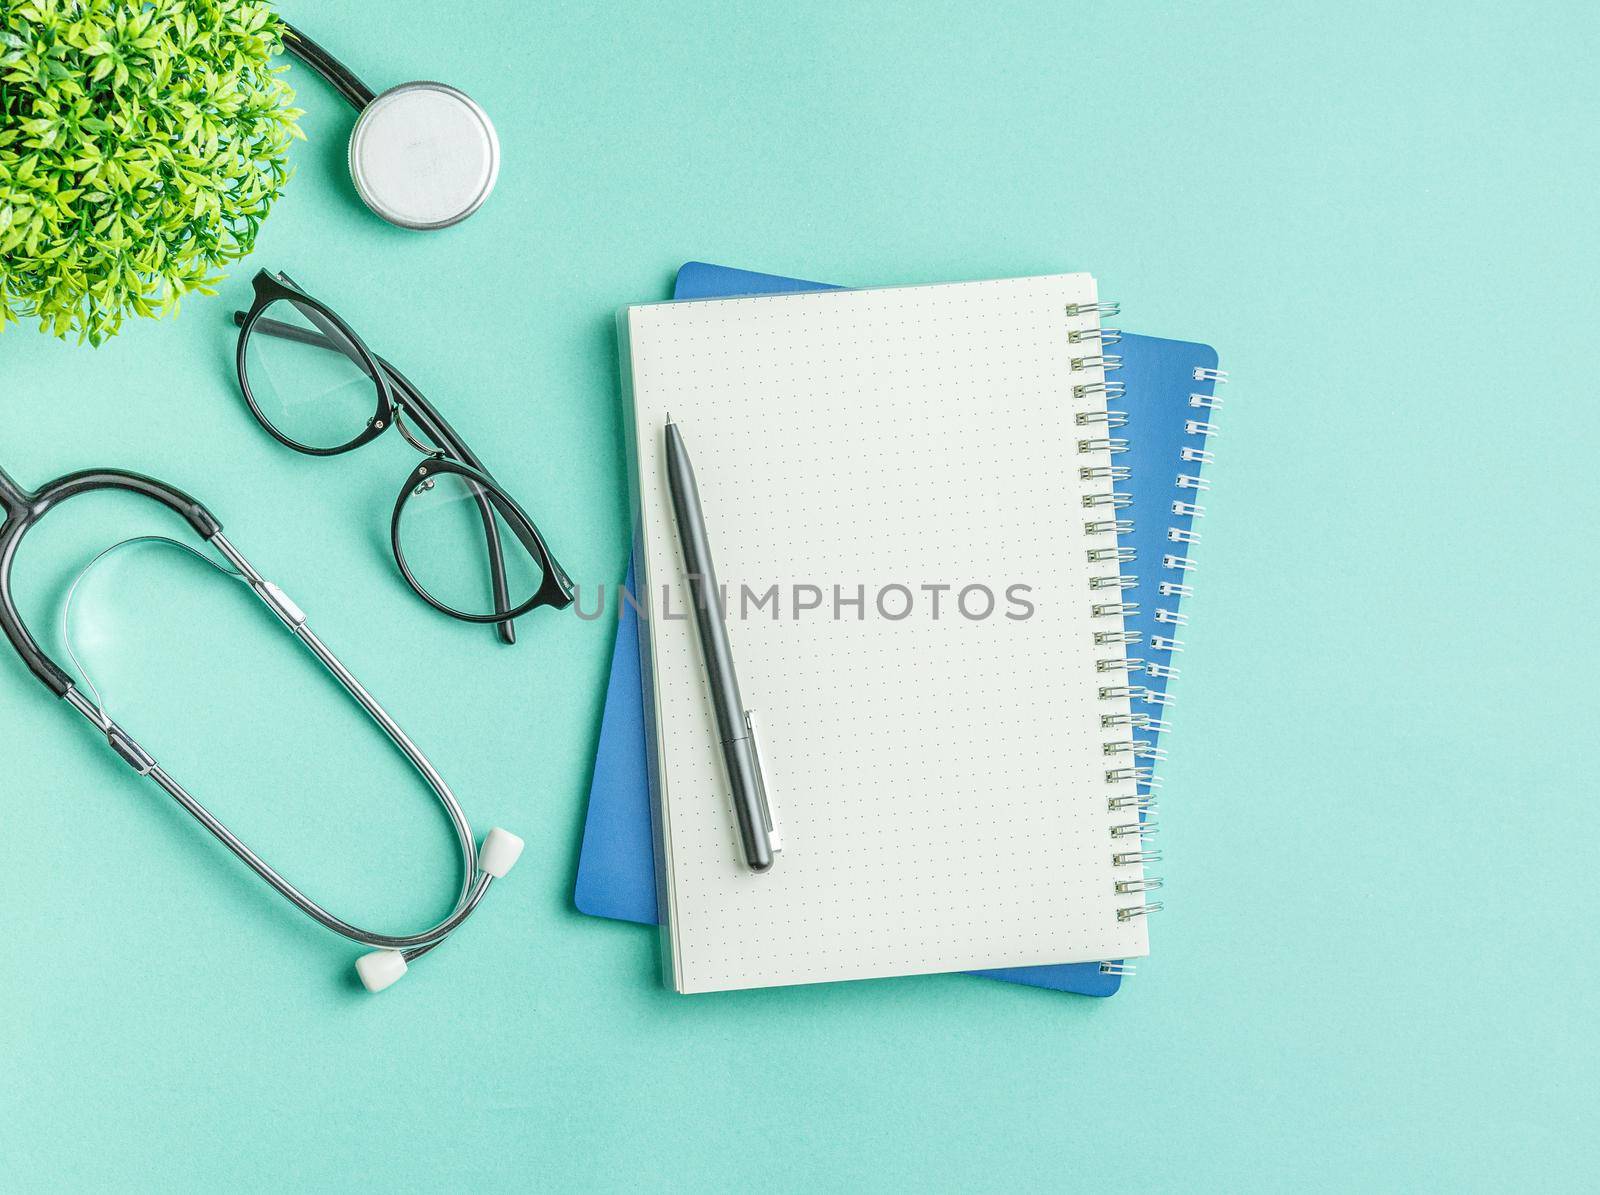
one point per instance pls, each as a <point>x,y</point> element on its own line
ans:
<point>422,155</point>
<point>390,953</point>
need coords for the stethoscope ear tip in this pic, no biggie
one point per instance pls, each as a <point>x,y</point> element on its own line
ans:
<point>500,852</point>
<point>380,969</point>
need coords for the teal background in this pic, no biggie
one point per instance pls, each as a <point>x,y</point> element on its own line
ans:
<point>1377,966</point>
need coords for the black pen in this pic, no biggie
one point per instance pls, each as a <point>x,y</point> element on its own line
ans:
<point>735,725</point>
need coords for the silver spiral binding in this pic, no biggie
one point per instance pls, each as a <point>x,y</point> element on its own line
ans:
<point>1101,555</point>
<point>1144,750</point>
<point>1105,638</point>
<point>1115,609</point>
<point>1120,969</point>
<point>1109,390</point>
<point>1122,725</point>
<point>1105,310</point>
<point>1123,692</point>
<point>1134,721</point>
<point>1107,527</point>
<point>1143,802</point>
<point>1166,616</point>
<point>1115,500</point>
<point>1123,775</point>
<point>1132,911</point>
<point>1126,886</point>
<point>1112,473</point>
<point>1131,858</point>
<point>1100,336</point>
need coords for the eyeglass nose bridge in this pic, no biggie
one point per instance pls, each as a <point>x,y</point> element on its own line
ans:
<point>397,404</point>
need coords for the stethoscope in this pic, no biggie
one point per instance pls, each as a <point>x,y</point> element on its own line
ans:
<point>422,155</point>
<point>390,954</point>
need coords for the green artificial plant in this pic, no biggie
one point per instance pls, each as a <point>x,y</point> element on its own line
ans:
<point>142,142</point>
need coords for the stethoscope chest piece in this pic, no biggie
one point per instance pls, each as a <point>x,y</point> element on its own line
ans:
<point>424,155</point>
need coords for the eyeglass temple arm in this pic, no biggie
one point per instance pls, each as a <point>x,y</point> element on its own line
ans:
<point>436,427</point>
<point>440,432</point>
<point>283,331</point>
<point>340,77</point>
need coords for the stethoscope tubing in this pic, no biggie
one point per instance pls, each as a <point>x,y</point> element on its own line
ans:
<point>22,510</point>
<point>340,77</point>
<point>471,892</point>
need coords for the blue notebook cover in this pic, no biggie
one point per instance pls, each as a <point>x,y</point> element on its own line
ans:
<point>1166,408</point>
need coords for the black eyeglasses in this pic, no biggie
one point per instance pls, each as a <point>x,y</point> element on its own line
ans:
<point>462,543</point>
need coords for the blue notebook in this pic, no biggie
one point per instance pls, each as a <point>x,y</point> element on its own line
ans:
<point>1169,387</point>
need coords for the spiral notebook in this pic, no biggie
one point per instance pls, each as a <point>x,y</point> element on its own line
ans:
<point>1169,382</point>
<point>957,792</point>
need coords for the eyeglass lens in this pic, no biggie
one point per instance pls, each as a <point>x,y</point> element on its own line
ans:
<point>444,539</point>
<point>307,379</point>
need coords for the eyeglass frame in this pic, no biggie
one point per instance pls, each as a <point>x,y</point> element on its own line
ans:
<point>449,454</point>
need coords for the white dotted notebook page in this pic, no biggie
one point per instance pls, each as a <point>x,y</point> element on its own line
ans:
<point>941,783</point>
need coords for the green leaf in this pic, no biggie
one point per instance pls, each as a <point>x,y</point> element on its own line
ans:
<point>143,144</point>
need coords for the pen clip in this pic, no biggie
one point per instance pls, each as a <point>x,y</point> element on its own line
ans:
<point>774,839</point>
